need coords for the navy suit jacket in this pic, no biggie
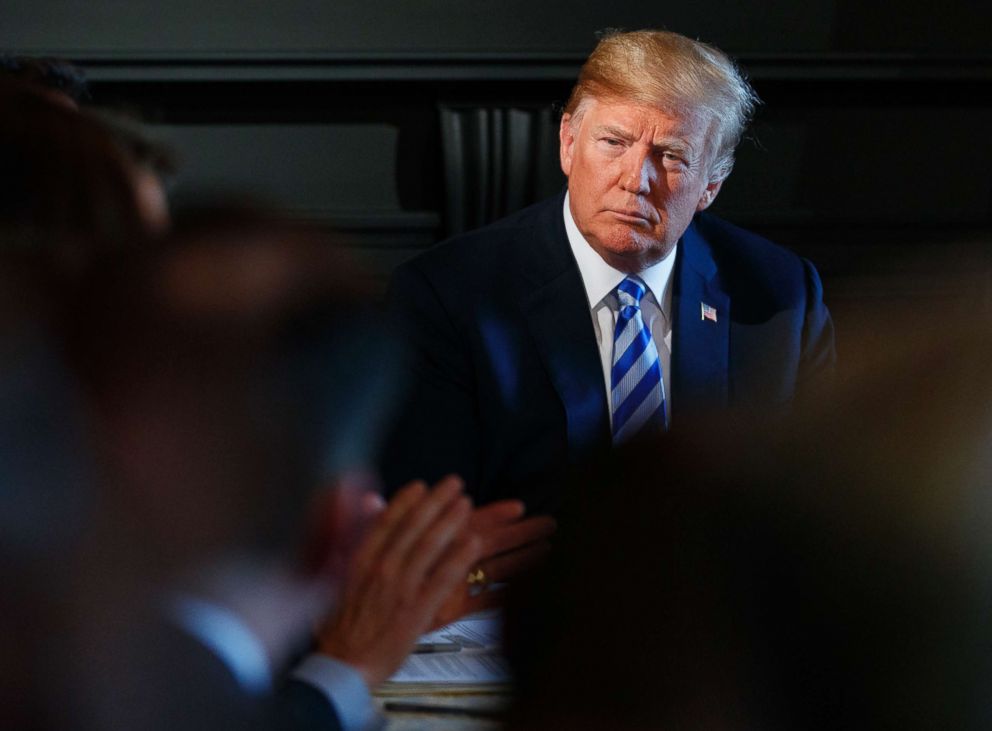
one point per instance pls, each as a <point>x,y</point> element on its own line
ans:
<point>507,381</point>
<point>169,680</point>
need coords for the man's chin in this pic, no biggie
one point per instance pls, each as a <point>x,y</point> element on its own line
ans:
<point>631,250</point>
<point>628,259</point>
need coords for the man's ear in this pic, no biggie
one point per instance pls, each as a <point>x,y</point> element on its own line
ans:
<point>566,140</point>
<point>709,195</point>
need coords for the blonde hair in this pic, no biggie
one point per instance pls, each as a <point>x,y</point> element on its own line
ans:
<point>675,73</point>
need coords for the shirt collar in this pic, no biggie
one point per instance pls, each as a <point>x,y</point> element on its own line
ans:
<point>600,279</point>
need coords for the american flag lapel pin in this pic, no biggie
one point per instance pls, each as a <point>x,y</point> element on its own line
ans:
<point>708,312</point>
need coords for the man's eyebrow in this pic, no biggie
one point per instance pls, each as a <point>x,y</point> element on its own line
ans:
<point>613,132</point>
<point>671,144</point>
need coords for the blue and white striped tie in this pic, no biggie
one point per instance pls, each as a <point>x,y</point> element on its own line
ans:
<point>637,388</point>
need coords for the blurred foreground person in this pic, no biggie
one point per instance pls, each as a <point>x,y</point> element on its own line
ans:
<point>229,377</point>
<point>69,186</point>
<point>836,574</point>
<point>69,192</point>
<point>46,497</point>
<point>218,380</point>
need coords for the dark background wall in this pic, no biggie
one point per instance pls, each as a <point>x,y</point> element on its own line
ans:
<point>400,122</point>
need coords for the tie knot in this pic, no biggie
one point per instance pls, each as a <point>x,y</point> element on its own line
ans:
<point>630,291</point>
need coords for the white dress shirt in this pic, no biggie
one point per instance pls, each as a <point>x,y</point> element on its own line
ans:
<point>601,280</point>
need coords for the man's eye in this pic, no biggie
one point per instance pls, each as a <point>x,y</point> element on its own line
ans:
<point>671,157</point>
<point>612,141</point>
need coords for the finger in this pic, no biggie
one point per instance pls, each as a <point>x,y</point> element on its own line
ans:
<point>501,569</point>
<point>449,573</point>
<point>434,542</point>
<point>382,580</point>
<point>417,521</point>
<point>453,609</point>
<point>451,569</point>
<point>514,563</point>
<point>503,511</point>
<point>386,523</point>
<point>501,538</point>
<point>464,601</point>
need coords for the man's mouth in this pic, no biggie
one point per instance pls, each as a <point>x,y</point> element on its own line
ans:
<point>631,216</point>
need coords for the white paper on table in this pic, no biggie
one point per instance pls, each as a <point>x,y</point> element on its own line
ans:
<point>477,665</point>
<point>456,668</point>
<point>479,631</point>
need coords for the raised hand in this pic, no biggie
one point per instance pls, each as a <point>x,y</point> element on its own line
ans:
<point>416,555</point>
<point>510,544</point>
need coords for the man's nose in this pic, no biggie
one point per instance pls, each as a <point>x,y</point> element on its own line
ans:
<point>637,172</point>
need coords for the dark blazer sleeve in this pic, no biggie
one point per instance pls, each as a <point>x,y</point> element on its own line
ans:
<point>440,405</point>
<point>301,707</point>
<point>179,683</point>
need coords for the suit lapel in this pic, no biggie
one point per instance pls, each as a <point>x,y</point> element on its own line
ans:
<point>700,346</point>
<point>557,313</point>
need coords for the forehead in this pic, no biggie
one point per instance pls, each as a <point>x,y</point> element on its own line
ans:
<point>638,119</point>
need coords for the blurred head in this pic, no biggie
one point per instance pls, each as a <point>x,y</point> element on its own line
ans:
<point>65,186</point>
<point>230,375</point>
<point>62,82</point>
<point>647,139</point>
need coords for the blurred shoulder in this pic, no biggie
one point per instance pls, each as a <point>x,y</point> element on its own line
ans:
<point>750,263</point>
<point>482,252</point>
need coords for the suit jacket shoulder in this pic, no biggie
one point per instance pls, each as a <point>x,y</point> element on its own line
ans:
<point>751,267</point>
<point>474,311</point>
<point>780,334</point>
<point>505,256</point>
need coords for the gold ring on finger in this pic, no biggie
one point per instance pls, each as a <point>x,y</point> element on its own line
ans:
<point>477,581</point>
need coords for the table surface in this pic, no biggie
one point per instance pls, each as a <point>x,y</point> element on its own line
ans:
<point>416,721</point>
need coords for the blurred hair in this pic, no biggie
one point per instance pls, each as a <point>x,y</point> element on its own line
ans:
<point>64,184</point>
<point>677,74</point>
<point>47,74</point>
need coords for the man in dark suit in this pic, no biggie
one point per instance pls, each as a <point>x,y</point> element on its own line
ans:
<point>615,308</point>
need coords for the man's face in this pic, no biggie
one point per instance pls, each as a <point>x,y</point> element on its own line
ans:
<point>636,175</point>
